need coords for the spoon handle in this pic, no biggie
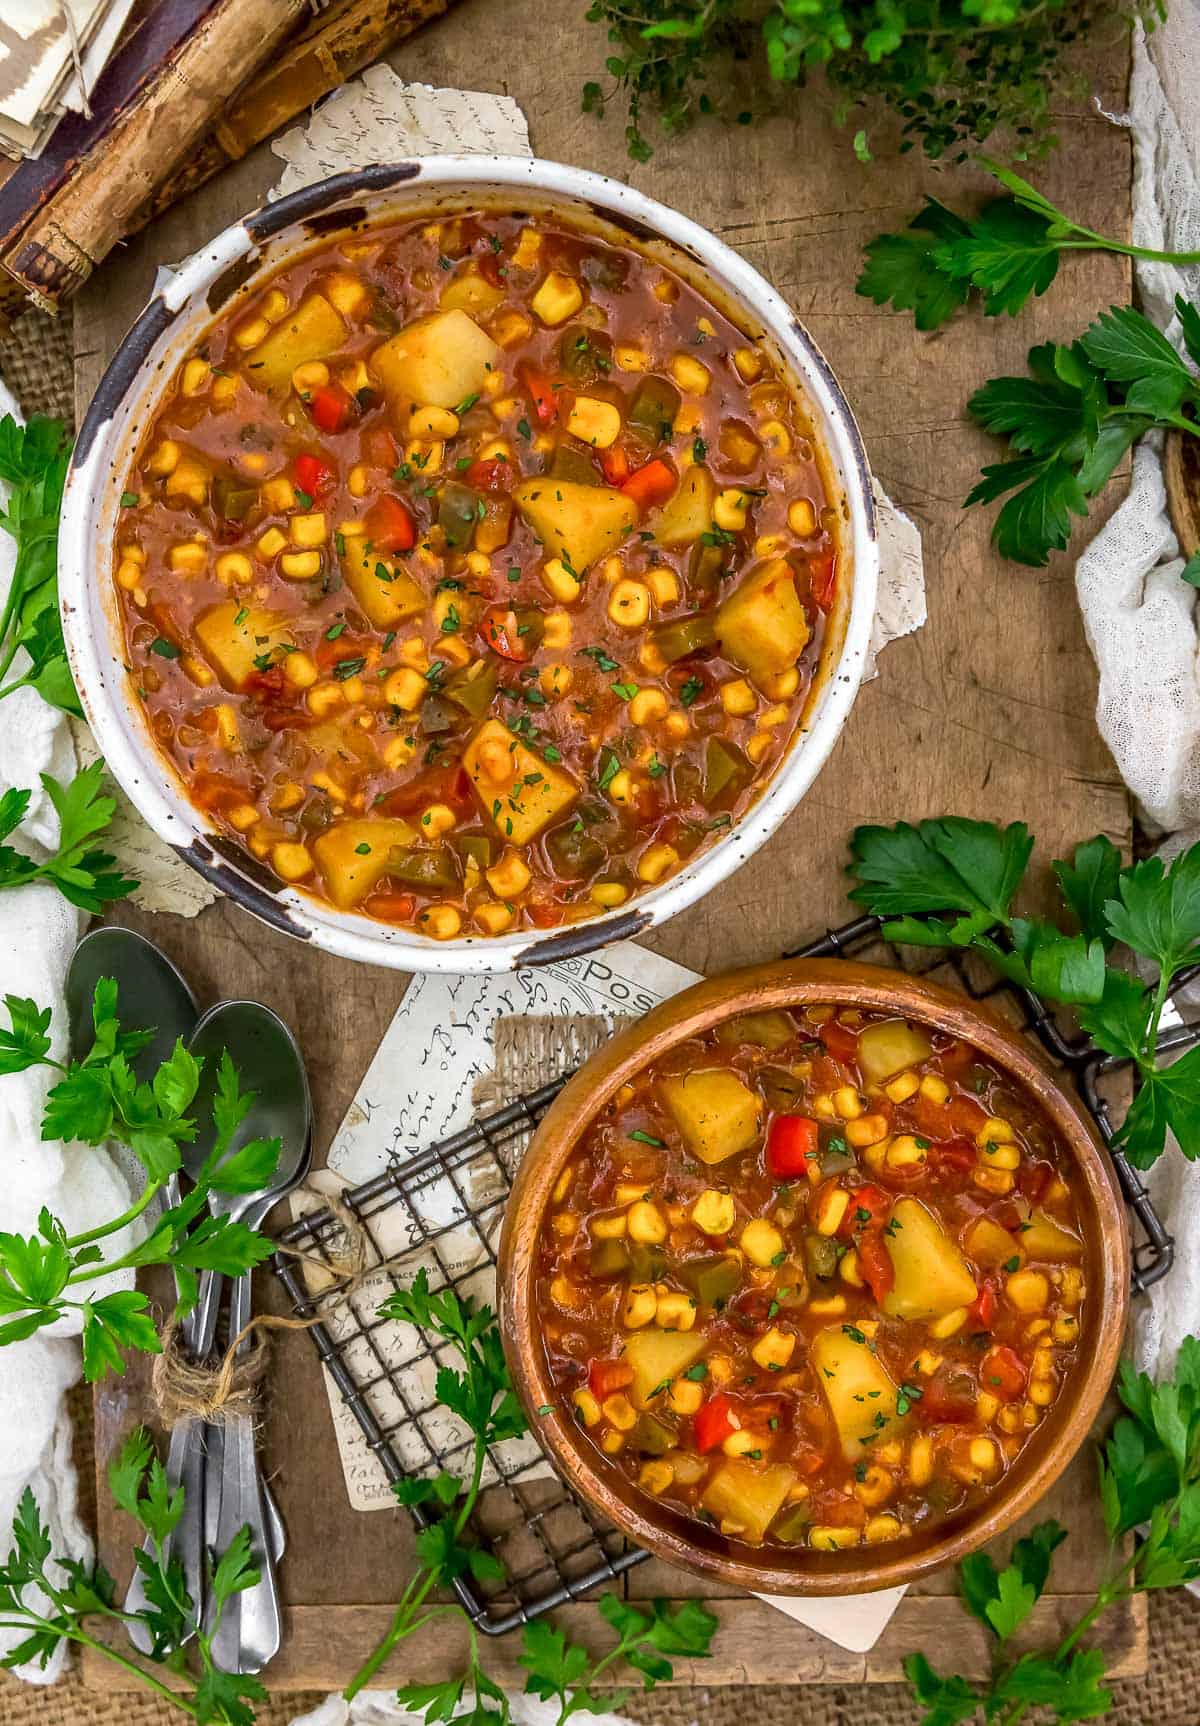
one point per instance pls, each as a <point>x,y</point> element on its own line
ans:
<point>250,1629</point>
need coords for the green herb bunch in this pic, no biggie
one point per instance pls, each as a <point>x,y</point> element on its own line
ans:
<point>50,1599</point>
<point>955,74</point>
<point>33,465</point>
<point>1149,1488</point>
<point>1006,253</point>
<point>47,1275</point>
<point>952,883</point>
<point>482,1397</point>
<point>79,868</point>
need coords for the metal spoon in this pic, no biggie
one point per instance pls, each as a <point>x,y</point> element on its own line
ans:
<point>151,995</point>
<point>270,1064</point>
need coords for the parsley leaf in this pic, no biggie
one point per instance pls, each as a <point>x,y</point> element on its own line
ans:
<point>33,465</point>
<point>900,268</point>
<point>81,870</point>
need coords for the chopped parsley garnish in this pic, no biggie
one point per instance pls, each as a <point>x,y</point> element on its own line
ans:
<point>348,668</point>
<point>690,691</point>
<point>164,648</point>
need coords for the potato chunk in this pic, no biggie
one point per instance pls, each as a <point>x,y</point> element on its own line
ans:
<point>353,856</point>
<point>747,1497</point>
<point>526,798</point>
<point>314,330</point>
<point>762,626</point>
<point>886,1048</point>
<point>716,1113</point>
<point>233,636</point>
<point>689,513</point>
<point>437,362</point>
<point>381,585</point>
<point>989,1244</point>
<point>931,1274</point>
<point>577,523</point>
<point>1043,1238</point>
<point>659,1355</point>
<point>859,1390</point>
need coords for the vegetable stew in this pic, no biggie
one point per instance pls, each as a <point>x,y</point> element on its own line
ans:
<point>814,1278</point>
<point>473,573</point>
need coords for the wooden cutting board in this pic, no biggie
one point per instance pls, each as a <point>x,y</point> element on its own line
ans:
<point>986,712</point>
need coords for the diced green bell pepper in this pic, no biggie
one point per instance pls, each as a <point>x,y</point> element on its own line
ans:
<point>653,409</point>
<point>714,1281</point>
<point>684,635</point>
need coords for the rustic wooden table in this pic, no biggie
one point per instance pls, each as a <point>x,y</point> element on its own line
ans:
<point>987,711</point>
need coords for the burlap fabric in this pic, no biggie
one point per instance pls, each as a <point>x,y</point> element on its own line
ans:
<point>36,364</point>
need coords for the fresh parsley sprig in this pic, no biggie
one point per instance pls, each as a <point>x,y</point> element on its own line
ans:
<point>50,1611</point>
<point>33,465</point>
<point>1073,418</point>
<point>79,868</point>
<point>482,1397</point>
<point>1150,1488</point>
<point>47,1274</point>
<point>1009,251</point>
<point>952,883</point>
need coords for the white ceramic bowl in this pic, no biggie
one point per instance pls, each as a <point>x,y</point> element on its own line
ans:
<point>235,263</point>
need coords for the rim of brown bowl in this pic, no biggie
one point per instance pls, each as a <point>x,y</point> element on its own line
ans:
<point>651,1523</point>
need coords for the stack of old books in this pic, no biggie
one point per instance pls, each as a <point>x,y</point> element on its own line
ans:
<point>118,107</point>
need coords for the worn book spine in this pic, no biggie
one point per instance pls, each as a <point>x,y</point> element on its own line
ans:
<point>97,206</point>
<point>344,39</point>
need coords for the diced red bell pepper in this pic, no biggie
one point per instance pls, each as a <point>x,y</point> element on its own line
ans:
<point>1002,1371</point>
<point>984,1309</point>
<point>651,485</point>
<point>967,1115</point>
<point>956,1153</point>
<point>840,1040</point>
<point>791,1146</point>
<point>871,1200</point>
<point>875,1263</point>
<point>389,525</point>
<point>392,907</point>
<point>714,1422</point>
<point>331,407</point>
<point>822,579</point>
<point>607,1376</point>
<point>313,474</point>
<point>540,390</point>
<point>949,1396</point>
<point>614,464</point>
<point>492,474</point>
<point>499,628</point>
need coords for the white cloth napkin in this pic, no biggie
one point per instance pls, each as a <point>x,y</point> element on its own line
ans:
<point>38,932</point>
<point>1142,621</point>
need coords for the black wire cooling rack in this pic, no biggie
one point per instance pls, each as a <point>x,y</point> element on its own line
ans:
<point>446,1205</point>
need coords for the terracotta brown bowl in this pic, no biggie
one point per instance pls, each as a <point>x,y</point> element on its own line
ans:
<point>656,1525</point>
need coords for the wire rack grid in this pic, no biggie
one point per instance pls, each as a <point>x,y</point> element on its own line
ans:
<point>444,1208</point>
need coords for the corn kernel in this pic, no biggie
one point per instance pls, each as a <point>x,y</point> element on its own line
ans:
<point>737,697</point>
<point>881,1528</point>
<point>656,861</point>
<point>438,819</point>
<point>832,1208</point>
<point>629,604</point>
<point>906,1151</point>
<point>196,374</point>
<point>271,544</point>
<point>866,1130</point>
<point>587,1406</point>
<point>1066,1328</point>
<point>761,1241</point>
<point>655,1476</point>
<point>510,876</point>
<point>630,358</point>
<point>300,670</point>
<point>312,375</point>
<point>243,816</point>
<point>685,1396</point>
<point>188,557</point>
<point>249,334</point>
<point>1028,1291</point>
<point>618,1411</point>
<point>307,531</point>
<point>300,565</point>
<point>647,1223</point>
<point>291,862</point>
<point>987,1407</point>
<point>647,706</point>
<point>849,1270</point>
<point>608,894</point>
<point>405,688</point>
<point>200,672</point>
<point>691,376</point>
<point>927,1363</point>
<point>610,1228</point>
<point>920,1460</point>
<point>998,1181</point>
<point>741,1443</point>
<point>165,458</point>
<point>440,922</point>
<point>674,1311</point>
<point>825,1539</point>
<point>902,1087</point>
<point>776,437</point>
<point>640,1306</point>
<point>432,423</point>
<point>554,680</point>
<point>875,1487</point>
<point>995,1130</point>
<point>713,1212</point>
<point>748,364</point>
<point>729,510</point>
<point>594,421</point>
<point>558,298</point>
<point>493,917</point>
<point>982,1454</point>
<point>933,1089</point>
<point>949,1324</point>
<point>559,582</point>
<point>847,1102</point>
<point>774,1350</point>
